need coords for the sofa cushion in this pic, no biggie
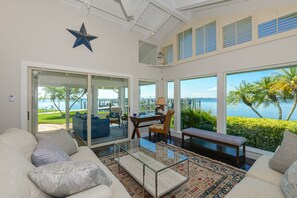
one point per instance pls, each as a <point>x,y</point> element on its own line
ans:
<point>67,178</point>
<point>261,170</point>
<point>286,154</point>
<point>86,154</point>
<point>47,152</point>
<point>289,181</point>
<point>251,187</point>
<point>61,138</point>
<point>14,180</point>
<point>21,140</point>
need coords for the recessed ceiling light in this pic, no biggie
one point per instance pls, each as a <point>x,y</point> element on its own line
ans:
<point>153,33</point>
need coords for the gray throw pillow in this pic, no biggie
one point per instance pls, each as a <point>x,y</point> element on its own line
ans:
<point>47,152</point>
<point>67,178</point>
<point>289,181</point>
<point>286,154</point>
<point>61,138</point>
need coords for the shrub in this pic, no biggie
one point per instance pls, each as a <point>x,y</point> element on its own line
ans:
<point>262,133</point>
<point>198,119</point>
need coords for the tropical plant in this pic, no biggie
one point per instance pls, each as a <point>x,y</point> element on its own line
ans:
<point>243,93</point>
<point>287,84</point>
<point>265,95</point>
<point>59,94</point>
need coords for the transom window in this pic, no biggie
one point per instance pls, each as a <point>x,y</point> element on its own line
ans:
<point>185,44</point>
<point>206,38</point>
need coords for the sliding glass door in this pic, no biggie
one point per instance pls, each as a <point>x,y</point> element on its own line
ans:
<point>109,109</point>
<point>60,100</point>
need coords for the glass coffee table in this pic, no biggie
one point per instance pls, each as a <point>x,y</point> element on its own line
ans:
<point>157,168</point>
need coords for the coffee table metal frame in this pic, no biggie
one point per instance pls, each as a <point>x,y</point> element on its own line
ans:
<point>117,157</point>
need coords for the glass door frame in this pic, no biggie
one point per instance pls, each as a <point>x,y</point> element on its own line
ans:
<point>26,94</point>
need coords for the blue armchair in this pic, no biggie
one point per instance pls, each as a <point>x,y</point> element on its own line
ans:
<point>100,127</point>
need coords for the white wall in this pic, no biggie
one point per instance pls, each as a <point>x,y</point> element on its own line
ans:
<point>35,31</point>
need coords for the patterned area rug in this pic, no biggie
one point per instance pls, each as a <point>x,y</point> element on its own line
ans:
<point>208,178</point>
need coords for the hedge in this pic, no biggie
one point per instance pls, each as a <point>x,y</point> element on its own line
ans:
<point>198,119</point>
<point>262,133</point>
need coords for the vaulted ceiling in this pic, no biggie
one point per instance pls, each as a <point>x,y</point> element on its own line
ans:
<point>152,18</point>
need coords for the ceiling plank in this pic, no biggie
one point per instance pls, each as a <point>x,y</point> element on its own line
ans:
<point>136,16</point>
<point>184,17</point>
<point>156,29</point>
<point>191,4</point>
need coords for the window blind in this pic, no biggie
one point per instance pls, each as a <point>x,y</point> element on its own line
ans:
<point>288,22</point>
<point>185,44</point>
<point>267,28</point>
<point>238,32</point>
<point>278,25</point>
<point>206,38</point>
<point>169,54</point>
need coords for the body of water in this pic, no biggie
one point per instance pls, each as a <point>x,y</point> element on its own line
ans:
<point>207,104</point>
<point>210,104</point>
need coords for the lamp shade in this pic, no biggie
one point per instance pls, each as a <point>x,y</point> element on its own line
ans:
<point>161,101</point>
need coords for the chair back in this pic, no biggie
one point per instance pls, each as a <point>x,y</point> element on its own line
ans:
<point>168,120</point>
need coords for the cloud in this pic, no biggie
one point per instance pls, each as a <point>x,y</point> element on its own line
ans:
<point>213,89</point>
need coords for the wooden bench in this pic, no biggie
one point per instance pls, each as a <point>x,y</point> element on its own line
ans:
<point>217,138</point>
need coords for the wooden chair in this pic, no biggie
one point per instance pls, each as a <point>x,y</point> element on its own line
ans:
<point>162,128</point>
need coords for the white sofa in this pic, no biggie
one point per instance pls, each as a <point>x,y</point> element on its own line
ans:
<point>16,147</point>
<point>260,182</point>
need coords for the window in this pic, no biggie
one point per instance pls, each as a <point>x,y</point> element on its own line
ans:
<point>168,53</point>
<point>185,44</point>
<point>261,105</point>
<point>279,25</point>
<point>147,53</point>
<point>206,38</point>
<point>198,100</point>
<point>147,97</point>
<point>238,32</point>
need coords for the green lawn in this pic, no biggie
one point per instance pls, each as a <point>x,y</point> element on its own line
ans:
<point>57,118</point>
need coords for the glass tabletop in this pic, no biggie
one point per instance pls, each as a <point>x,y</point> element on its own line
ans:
<point>157,157</point>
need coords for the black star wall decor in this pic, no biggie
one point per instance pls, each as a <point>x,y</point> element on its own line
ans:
<point>82,37</point>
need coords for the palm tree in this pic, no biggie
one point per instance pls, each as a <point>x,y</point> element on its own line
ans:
<point>287,84</point>
<point>264,94</point>
<point>243,93</point>
<point>59,94</point>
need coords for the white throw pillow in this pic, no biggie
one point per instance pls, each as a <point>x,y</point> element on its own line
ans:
<point>61,138</point>
<point>67,178</point>
<point>47,152</point>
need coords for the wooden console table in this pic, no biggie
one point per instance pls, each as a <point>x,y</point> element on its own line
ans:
<point>136,120</point>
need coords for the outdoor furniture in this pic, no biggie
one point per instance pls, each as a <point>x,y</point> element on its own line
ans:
<point>162,128</point>
<point>99,127</point>
<point>115,115</point>
<point>219,139</point>
<point>136,120</point>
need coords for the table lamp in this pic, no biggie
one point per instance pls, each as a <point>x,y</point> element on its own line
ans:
<point>161,103</point>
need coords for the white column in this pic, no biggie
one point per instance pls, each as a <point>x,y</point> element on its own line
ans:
<point>95,100</point>
<point>221,103</point>
<point>35,105</point>
<point>177,124</point>
<point>67,106</point>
